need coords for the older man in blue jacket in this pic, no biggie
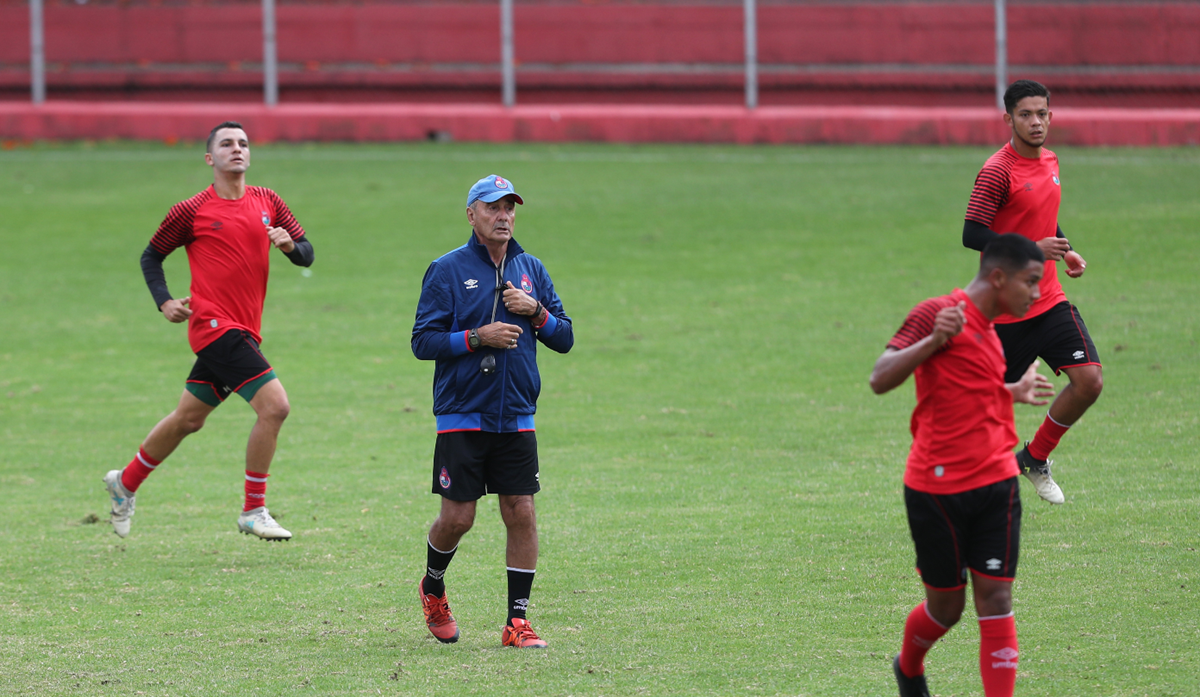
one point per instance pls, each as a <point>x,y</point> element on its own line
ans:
<point>483,309</point>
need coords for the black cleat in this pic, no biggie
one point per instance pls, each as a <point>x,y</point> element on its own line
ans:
<point>909,687</point>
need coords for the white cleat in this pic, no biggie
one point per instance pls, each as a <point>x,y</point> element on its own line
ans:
<point>258,522</point>
<point>1038,472</point>
<point>122,503</point>
<point>1044,484</point>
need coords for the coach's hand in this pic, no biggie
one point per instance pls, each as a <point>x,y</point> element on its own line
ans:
<point>1075,264</point>
<point>948,323</point>
<point>1054,247</point>
<point>177,310</point>
<point>281,239</point>
<point>518,301</point>
<point>499,335</point>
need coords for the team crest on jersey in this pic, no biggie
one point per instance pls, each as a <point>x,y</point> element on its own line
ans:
<point>1055,178</point>
<point>525,284</point>
<point>444,479</point>
<point>500,183</point>
<point>266,219</point>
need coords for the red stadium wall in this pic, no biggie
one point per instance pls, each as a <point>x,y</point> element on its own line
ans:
<point>146,49</point>
<point>896,72</point>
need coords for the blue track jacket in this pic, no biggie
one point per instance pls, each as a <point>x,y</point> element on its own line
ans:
<point>456,296</point>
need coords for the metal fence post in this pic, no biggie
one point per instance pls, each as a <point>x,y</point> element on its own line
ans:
<point>751,31</point>
<point>507,68</point>
<point>270,66</point>
<point>37,52</point>
<point>1001,53</point>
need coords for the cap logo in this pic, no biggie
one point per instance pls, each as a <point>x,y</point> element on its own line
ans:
<point>500,183</point>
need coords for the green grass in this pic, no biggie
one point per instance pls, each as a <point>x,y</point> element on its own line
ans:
<point>721,510</point>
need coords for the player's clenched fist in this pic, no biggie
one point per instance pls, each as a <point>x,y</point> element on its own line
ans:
<point>177,310</point>
<point>948,323</point>
<point>281,239</point>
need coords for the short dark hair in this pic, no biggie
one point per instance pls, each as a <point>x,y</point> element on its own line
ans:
<point>1020,90</point>
<point>1011,252</point>
<point>212,135</point>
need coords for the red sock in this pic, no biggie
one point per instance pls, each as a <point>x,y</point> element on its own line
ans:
<point>136,471</point>
<point>921,632</point>
<point>1046,439</point>
<point>998,655</point>
<point>256,490</point>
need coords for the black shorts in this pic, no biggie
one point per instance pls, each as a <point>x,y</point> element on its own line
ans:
<point>470,464</point>
<point>1058,336</point>
<point>232,363</point>
<point>978,529</point>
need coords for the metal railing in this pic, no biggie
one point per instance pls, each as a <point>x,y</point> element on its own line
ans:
<point>753,72</point>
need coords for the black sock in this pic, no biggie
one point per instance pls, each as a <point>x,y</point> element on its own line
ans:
<point>520,582</point>
<point>436,562</point>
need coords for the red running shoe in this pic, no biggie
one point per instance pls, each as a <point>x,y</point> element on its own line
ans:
<point>437,615</point>
<point>521,635</point>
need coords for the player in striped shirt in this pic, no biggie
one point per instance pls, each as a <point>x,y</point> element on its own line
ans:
<point>228,230</point>
<point>1018,191</point>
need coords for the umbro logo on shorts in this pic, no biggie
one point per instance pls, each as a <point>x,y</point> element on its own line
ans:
<point>1078,355</point>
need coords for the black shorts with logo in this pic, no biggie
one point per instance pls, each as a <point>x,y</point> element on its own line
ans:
<point>232,363</point>
<point>978,529</point>
<point>1058,336</point>
<point>469,464</point>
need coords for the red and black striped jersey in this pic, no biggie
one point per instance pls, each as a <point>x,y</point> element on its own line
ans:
<point>962,426</point>
<point>1021,195</point>
<point>229,255</point>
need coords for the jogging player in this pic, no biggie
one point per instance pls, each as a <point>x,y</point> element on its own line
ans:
<point>960,482</point>
<point>483,309</point>
<point>1018,191</point>
<point>228,231</point>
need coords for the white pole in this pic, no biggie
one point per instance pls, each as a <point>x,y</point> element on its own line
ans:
<point>507,58</point>
<point>37,52</point>
<point>1001,53</point>
<point>270,66</point>
<point>751,31</point>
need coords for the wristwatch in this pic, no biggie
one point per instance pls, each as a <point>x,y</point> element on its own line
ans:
<point>473,339</point>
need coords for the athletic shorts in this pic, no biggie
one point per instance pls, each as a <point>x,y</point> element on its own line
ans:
<point>1058,336</point>
<point>978,529</point>
<point>230,364</point>
<point>469,464</point>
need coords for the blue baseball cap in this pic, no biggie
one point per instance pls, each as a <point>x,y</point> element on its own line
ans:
<point>493,187</point>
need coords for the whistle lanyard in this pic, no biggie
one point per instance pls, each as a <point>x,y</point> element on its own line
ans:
<point>499,287</point>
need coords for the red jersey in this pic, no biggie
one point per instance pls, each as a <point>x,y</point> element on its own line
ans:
<point>1019,194</point>
<point>962,427</point>
<point>230,257</point>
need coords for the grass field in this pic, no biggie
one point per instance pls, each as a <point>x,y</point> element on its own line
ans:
<point>721,510</point>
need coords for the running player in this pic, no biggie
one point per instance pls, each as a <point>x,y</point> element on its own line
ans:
<point>1018,191</point>
<point>960,482</point>
<point>228,230</point>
